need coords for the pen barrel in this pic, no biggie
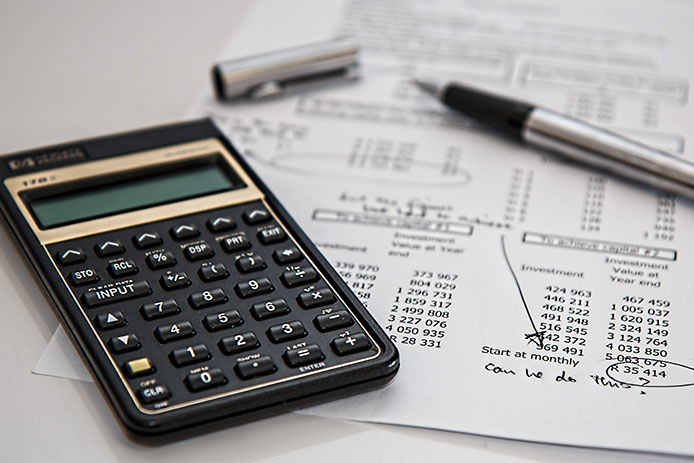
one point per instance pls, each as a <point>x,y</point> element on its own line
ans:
<point>601,148</point>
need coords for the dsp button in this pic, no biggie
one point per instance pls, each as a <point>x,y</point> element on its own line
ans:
<point>146,240</point>
<point>255,367</point>
<point>83,277</point>
<point>101,296</point>
<point>303,356</point>
<point>184,232</point>
<point>299,276</point>
<point>198,251</point>
<point>333,321</point>
<point>271,235</point>
<point>316,298</point>
<point>122,268</point>
<point>205,380</point>
<point>286,332</point>
<point>152,394</point>
<point>108,248</point>
<point>350,344</point>
<point>70,256</point>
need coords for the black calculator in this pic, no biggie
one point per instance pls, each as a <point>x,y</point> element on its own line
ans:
<point>188,289</point>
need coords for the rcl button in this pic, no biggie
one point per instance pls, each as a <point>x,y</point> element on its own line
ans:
<point>83,277</point>
<point>122,268</point>
<point>149,395</point>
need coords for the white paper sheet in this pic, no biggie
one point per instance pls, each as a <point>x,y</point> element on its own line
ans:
<point>530,298</point>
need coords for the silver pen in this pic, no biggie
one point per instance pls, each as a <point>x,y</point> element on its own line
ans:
<point>569,137</point>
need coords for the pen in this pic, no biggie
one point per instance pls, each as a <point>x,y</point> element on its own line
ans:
<point>567,136</point>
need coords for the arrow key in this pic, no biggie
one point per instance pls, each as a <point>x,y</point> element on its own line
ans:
<point>124,343</point>
<point>109,320</point>
<point>146,240</point>
<point>184,232</point>
<point>70,256</point>
<point>256,216</point>
<point>108,248</point>
<point>287,255</point>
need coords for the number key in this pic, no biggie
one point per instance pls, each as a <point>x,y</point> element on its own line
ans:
<point>205,380</point>
<point>191,354</point>
<point>238,343</point>
<point>222,320</point>
<point>286,331</point>
<point>254,287</point>
<point>269,309</point>
<point>175,331</point>
<point>207,298</point>
<point>159,309</point>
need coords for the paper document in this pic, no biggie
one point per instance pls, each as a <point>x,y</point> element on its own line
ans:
<point>530,298</point>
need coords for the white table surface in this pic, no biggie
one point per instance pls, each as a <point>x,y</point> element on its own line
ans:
<point>71,69</point>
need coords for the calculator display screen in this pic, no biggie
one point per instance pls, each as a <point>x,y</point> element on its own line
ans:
<point>131,194</point>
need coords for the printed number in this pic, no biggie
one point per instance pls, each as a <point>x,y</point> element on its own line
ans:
<point>207,295</point>
<point>240,340</point>
<point>253,284</point>
<point>159,305</point>
<point>287,328</point>
<point>205,377</point>
<point>270,307</point>
<point>222,317</point>
<point>191,351</point>
<point>175,329</point>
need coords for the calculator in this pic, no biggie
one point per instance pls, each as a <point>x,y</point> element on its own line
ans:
<point>187,288</point>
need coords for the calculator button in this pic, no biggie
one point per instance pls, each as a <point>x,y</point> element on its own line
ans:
<point>205,380</point>
<point>238,343</point>
<point>188,355</point>
<point>122,268</point>
<point>235,243</point>
<point>269,309</point>
<point>256,216</point>
<point>124,343</point>
<point>287,255</point>
<point>220,224</point>
<point>255,367</point>
<point>83,277</point>
<point>271,235</point>
<point>107,321</point>
<point>254,287</point>
<point>286,332</point>
<point>247,264</point>
<point>160,259</point>
<point>108,248</point>
<point>207,298</point>
<point>70,256</point>
<point>184,232</point>
<point>350,344</point>
<point>222,320</point>
<point>198,251</point>
<point>116,293</point>
<point>146,240</point>
<point>152,394</point>
<point>316,298</point>
<point>174,280</point>
<point>159,309</point>
<point>213,272</point>
<point>175,331</point>
<point>303,356</point>
<point>138,367</point>
<point>333,321</point>
<point>300,276</point>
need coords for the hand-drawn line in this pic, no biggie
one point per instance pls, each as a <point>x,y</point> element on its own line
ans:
<point>655,381</point>
<point>536,337</point>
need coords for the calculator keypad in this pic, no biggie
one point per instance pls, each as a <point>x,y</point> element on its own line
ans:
<point>209,303</point>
